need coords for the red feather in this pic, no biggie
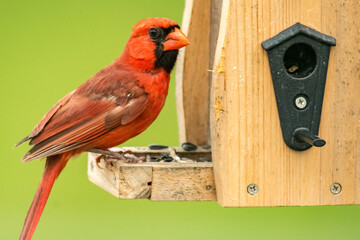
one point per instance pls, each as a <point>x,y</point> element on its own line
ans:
<point>118,103</point>
<point>54,165</point>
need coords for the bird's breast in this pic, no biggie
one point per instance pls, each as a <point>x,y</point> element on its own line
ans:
<point>156,86</point>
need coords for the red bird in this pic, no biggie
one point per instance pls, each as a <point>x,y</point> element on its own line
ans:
<point>116,104</point>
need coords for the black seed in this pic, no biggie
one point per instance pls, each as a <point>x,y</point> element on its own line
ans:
<point>187,146</point>
<point>204,159</point>
<point>157,146</point>
<point>154,159</point>
<point>168,159</point>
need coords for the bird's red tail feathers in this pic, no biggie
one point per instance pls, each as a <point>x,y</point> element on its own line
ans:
<point>53,167</point>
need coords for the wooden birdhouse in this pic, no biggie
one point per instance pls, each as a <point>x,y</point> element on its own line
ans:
<point>266,84</point>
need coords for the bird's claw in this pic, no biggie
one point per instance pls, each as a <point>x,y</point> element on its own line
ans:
<point>98,160</point>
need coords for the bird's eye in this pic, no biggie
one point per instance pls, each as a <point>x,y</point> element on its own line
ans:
<point>153,32</point>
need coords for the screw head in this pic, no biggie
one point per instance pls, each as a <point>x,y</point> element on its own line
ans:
<point>300,102</point>
<point>335,188</point>
<point>252,189</point>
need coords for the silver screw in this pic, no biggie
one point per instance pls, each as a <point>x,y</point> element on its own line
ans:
<point>335,188</point>
<point>253,189</point>
<point>92,166</point>
<point>300,102</point>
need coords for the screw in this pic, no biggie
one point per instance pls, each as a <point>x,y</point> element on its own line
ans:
<point>92,166</point>
<point>208,187</point>
<point>300,102</point>
<point>253,189</point>
<point>335,188</point>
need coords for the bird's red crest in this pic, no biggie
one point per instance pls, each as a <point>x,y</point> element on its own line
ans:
<point>140,51</point>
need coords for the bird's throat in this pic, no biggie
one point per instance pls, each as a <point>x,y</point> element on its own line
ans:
<point>166,60</point>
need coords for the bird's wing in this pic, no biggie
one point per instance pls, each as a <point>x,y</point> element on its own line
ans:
<point>40,126</point>
<point>87,114</point>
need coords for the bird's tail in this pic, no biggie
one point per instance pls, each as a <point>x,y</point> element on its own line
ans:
<point>53,167</point>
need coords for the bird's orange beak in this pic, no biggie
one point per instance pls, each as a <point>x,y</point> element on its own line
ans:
<point>175,40</point>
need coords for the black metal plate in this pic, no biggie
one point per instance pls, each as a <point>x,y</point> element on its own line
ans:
<point>298,58</point>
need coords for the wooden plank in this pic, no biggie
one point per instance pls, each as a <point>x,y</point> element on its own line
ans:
<point>183,183</point>
<point>192,70</point>
<point>247,143</point>
<point>215,16</point>
<point>340,117</point>
<point>158,181</point>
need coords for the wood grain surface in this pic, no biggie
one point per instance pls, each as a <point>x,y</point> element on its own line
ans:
<point>246,137</point>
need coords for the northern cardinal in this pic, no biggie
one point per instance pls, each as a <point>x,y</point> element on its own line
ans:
<point>116,104</point>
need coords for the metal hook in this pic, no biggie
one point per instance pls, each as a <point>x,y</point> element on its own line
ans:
<point>304,134</point>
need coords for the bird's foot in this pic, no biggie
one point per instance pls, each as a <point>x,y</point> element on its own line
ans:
<point>111,157</point>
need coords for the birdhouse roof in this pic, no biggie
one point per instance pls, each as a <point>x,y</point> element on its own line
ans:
<point>294,30</point>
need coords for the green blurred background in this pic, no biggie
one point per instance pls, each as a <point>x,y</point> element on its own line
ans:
<point>48,48</point>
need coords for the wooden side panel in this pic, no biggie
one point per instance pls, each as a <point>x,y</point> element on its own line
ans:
<point>192,75</point>
<point>183,183</point>
<point>341,114</point>
<point>246,136</point>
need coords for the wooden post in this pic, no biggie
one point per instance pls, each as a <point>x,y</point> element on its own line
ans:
<point>247,144</point>
<point>192,74</point>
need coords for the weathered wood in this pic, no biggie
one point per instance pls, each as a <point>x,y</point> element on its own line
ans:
<point>158,181</point>
<point>247,143</point>
<point>215,14</point>
<point>192,70</point>
<point>183,182</point>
